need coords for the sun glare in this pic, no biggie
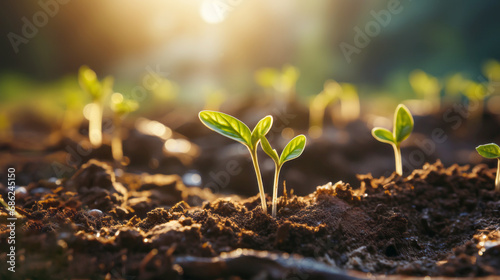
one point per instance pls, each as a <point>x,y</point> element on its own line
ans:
<point>213,11</point>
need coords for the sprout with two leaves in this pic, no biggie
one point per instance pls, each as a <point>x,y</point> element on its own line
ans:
<point>492,151</point>
<point>98,90</point>
<point>233,128</point>
<point>120,106</point>
<point>292,151</point>
<point>403,126</point>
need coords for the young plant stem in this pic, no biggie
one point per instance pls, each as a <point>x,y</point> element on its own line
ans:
<point>259,180</point>
<point>397,156</point>
<point>116,142</point>
<point>95,124</point>
<point>275,189</point>
<point>497,179</point>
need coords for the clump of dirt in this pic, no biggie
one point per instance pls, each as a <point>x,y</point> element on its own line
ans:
<point>436,221</point>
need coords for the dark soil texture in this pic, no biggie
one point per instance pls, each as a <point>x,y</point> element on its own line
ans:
<point>437,221</point>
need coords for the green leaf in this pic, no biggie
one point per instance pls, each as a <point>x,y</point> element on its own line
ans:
<point>293,149</point>
<point>227,125</point>
<point>269,150</point>
<point>261,129</point>
<point>403,123</point>
<point>383,135</point>
<point>89,83</point>
<point>489,150</point>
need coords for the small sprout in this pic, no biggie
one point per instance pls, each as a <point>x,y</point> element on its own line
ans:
<point>98,91</point>
<point>233,128</point>
<point>292,151</point>
<point>403,126</point>
<point>491,150</point>
<point>120,107</point>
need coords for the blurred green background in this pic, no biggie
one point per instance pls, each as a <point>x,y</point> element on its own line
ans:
<point>211,44</point>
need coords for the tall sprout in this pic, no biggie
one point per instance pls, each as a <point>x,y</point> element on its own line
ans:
<point>235,129</point>
<point>491,151</point>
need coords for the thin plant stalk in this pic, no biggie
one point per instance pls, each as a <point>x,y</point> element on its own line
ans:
<point>399,163</point>
<point>259,180</point>
<point>116,142</point>
<point>275,190</point>
<point>497,179</point>
<point>291,151</point>
<point>95,124</point>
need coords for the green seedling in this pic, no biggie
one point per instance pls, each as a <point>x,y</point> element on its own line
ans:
<point>120,106</point>
<point>233,128</point>
<point>292,151</point>
<point>98,90</point>
<point>491,150</point>
<point>403,126</point>
<point>348,98</point>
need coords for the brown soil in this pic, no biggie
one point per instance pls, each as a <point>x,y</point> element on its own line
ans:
<point>437,221</point>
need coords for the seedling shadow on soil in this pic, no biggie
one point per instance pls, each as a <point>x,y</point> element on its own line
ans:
<point>437,221</point>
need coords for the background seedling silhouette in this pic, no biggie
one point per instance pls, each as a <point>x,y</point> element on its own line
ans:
<point>120,107</point>
<point>403,126</point>
<point>98,91</point>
